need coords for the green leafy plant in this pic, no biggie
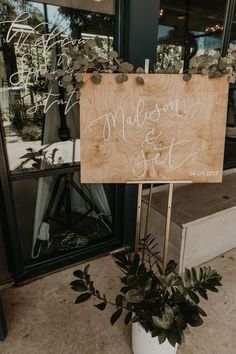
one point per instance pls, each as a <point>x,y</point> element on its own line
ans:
<point>39,158</point>
<point>163,302</point>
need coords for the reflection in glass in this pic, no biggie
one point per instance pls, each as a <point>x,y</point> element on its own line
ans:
<point>40,114</point>
<point>187,28</point>
<point>57,214</point>
<point>39,110</point>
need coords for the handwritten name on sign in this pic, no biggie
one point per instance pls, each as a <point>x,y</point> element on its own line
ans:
<point>165,130</point>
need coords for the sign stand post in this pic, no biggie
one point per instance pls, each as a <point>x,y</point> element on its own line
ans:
<point>168,220</point>
<point>167,229</point>
<point>138,218</point>
<point>148,209</point>
<point>139,209</point>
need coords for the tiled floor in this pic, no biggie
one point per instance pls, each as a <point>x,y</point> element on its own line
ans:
<point>43,319</point>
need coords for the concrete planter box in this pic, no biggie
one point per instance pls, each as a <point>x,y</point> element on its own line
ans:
<point>203,221</point>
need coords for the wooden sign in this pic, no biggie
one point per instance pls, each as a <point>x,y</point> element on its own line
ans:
<point>165,130</point>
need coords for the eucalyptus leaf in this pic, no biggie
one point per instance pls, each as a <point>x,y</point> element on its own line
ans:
<point>211,74</point>
<point>67,78</point>
<point>187,77</point>
<point>96,78</point>
<point>49,76</point>
<point>91,43</point>
<point>113,54</point>
<point>101,60</point>
<point>69,88</point>
<point>61,72</point>
<point>91,64</point>
<point>178,66</point>
<point>87,49</point>
<point>79,84</point>
<point>76,65</point>
<point>140,70</point>
<point>126,67</point>
<point>193,71</point>
<point>121,78</point>
<point>139,80</point>
<point>113,67</point>
<point>79,77</point>
<point>205,71</point>
<point>171,69</point>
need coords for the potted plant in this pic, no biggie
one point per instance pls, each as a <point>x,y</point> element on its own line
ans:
<point>160,304</point>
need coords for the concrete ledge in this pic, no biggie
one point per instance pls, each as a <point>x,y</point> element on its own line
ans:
<point>203,220</point>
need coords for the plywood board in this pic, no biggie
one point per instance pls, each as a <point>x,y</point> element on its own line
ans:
<point>165,130</point>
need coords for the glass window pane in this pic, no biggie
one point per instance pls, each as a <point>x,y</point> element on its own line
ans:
<point>58,214</point>
<point>191,26</point>
<point>38,42</point>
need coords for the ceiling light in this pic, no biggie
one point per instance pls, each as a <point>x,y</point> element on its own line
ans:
<point>216,28</point>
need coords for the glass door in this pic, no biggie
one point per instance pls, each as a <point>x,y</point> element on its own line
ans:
<point>56,217</point>
<point>188,28</point>
<point>230,142</point>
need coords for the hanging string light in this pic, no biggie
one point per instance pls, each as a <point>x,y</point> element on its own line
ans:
<point>216,28</point>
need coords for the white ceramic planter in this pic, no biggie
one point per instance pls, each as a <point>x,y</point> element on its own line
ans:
<point>143,343</point>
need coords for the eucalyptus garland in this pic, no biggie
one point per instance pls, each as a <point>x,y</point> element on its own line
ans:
<point>93,57</point>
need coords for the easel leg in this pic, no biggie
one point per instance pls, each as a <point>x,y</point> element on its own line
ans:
<point>148,210</point>
<point>167,231</point>
<point>138,219</point>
